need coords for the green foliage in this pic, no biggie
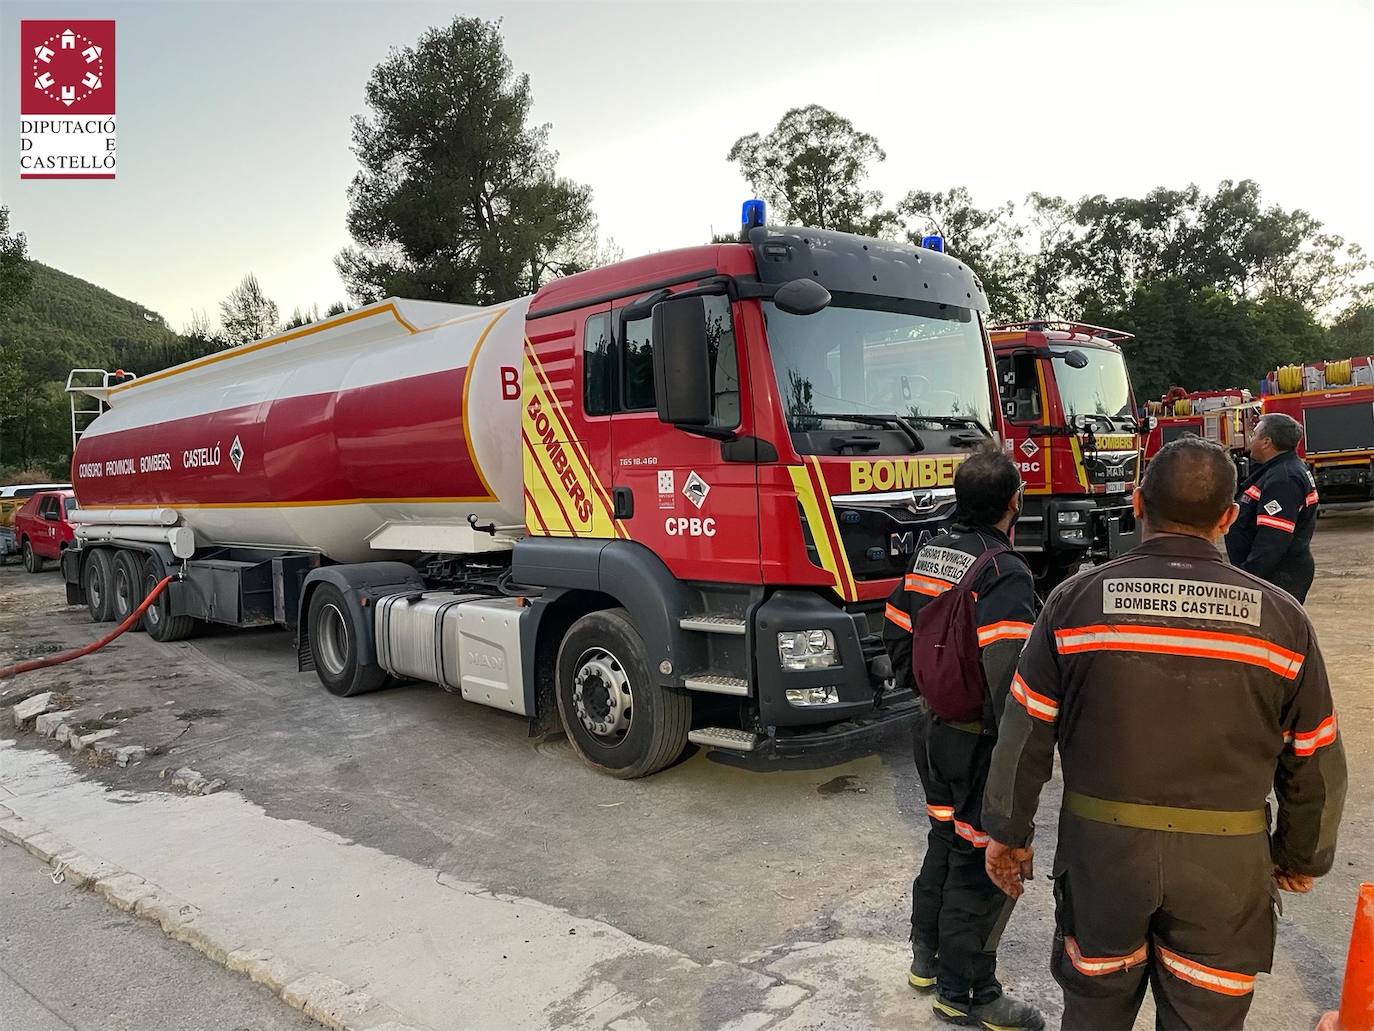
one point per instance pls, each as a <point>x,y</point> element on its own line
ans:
<point>458,198</point>
<point>811,168</point>
<point>14,269</point>
<point>248,313</point>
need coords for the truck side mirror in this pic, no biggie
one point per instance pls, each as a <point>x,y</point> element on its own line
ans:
<point>1073,359</point>
<point>801,297</point>
<point>682,361</point>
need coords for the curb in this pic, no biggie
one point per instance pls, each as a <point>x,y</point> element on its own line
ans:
<point>325,999</point>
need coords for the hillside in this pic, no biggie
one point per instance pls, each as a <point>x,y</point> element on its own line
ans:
<point>64,323</point>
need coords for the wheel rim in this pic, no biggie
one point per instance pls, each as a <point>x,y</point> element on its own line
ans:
<point>601,696</point>
<point>122,593</point>
<point>152,614</point>
<point>331,634</point>
<point>28,556</point>
<point>95,589</point>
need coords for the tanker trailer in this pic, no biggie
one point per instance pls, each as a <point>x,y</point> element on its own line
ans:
<point>661,502</point>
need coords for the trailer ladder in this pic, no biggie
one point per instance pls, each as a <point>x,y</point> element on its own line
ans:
<point>92,385</point>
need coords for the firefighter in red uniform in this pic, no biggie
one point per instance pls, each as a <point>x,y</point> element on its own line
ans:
<point>1272,537</point>
<point>957,913</point>
<point>1180,691</point>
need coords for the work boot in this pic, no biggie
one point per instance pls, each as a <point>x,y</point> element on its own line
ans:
<point>1000,1014</point>
<point>922,976</point>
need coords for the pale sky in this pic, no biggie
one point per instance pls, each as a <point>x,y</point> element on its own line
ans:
<point>234,117</point>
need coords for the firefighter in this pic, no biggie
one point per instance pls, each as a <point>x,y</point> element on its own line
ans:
<point>1278,509</point>
<point>1180,691</point>
<point>957,913</point>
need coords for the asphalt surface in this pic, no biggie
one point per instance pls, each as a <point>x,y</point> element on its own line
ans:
<point>708,860</point>
<point>69,960</point>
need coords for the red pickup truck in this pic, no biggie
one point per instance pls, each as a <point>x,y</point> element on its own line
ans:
<point>42,529</point>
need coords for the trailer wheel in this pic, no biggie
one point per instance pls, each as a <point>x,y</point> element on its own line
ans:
<point>97,583</point>
<point>33,562</point>
<point>127,579</point>
<point>619,719</point>
<point>158,620</point>
<point>334,644</point>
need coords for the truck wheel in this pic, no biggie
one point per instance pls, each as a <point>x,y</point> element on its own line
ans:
<point>158,620</point>
<point>97,582</point>
<point>127,579</point>
<point>334,644</point>
<point>618,718</point>
<point>33,563</point>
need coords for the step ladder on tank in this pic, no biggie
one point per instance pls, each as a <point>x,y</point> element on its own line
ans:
<point>86,393</point>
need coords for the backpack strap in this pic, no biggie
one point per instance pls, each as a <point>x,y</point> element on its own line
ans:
<point>981,562</point>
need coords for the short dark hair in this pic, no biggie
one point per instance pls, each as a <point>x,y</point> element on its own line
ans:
<point>1283,430</point>
<point>1190,482</point>
<point>984,485</point>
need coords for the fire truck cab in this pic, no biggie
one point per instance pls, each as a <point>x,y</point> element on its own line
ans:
<point>1071,428</point>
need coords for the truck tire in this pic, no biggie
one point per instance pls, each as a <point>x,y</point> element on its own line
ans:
<point>33,562</point>
<point>619,719</point>
<point>97,583</point>
<point>158,620</point>
<point>334,645</point>
<point>127,582</point>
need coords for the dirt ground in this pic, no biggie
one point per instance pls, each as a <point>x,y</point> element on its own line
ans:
<point>714,862</point>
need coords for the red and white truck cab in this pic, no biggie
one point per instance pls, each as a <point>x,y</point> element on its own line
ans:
<point>1071,427</point>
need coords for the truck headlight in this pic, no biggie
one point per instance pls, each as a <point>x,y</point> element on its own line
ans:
<point>1072,517</point>
<point>812,696</point>
<point>1073,536</point>
<point>807,649</point>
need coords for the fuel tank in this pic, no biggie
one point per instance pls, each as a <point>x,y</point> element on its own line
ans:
<point>372,432</point>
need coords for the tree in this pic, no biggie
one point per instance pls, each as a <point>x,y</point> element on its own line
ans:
<point>301,318</point>
<point>987,239</point>
<point>811,168</point>
<point>458,198</point>
<point>337,308</point>
<point>15,276</point>
<point>247,313</point>
<point>1352,333</point>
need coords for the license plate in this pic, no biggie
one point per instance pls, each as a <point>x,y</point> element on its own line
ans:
<point>1116,487</point>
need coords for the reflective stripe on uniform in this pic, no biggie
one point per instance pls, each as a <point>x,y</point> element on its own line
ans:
<point>928,585</point>
<point>1099,965</point>
<point>971,834</point>
<point>1252,492</point>
<point>944,813</point>
<point>898,616</point>
<point>1286,525</point>
<point>1224,982</point>
<point>1203,644</point>
<point>1309,741</point>
<point>1005,630</point>
<point>1311,498</point>
<point>1038,705</point>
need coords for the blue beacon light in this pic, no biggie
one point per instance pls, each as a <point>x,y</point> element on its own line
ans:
<point>752,214</point>
<point>933,243</point>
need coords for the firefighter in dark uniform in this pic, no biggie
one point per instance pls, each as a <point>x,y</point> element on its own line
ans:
<point>1180,691</point>
<point>1272,537</point>
<point>957,913</point>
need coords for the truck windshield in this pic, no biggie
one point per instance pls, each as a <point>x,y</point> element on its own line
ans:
<point>870,356</point>
<point>1098,395</point>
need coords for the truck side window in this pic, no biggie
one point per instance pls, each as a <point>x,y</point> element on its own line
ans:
<point>598,367</point>
<point>1019,387</point>
<point>638,364</point>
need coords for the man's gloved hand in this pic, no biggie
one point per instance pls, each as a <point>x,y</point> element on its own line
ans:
<point>1009,867</point>
<point>1299,883</point>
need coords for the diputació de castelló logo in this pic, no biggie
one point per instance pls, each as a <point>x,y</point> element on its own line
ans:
<point>67,100</point>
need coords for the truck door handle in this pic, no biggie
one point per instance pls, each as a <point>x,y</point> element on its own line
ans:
<point>623,502</point>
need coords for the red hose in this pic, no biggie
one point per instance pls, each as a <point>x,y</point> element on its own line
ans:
<point>76,653</point>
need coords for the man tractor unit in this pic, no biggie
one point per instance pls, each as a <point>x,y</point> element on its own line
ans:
<point>1071,427</point>
<point>662,501</point>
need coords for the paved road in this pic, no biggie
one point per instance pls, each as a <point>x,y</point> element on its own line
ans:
<point>68,959</point>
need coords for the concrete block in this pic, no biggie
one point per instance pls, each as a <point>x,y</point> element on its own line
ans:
<point>31,708</point>
<point>47,724</point>
<point>263,967</point>
<point>165,910</point>
<point>83,871</point>
<point>82,742</point>
<point>330,1001</point>
<point>206,937</point>
<point>63,734</point>
<point>130,754</point>
<point>124,890</point>
<point>192,782</point>
<point>106,749</point>
<point>14,829</point>
<point>46,845</point>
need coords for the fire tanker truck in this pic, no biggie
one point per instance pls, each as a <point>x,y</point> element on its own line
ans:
<point>1071,427</point>
<point>1225,417</point>
<point>661,502</point>
<point>1334,401</point>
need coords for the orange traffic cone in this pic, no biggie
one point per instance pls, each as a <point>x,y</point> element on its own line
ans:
<point>1357,997</point>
